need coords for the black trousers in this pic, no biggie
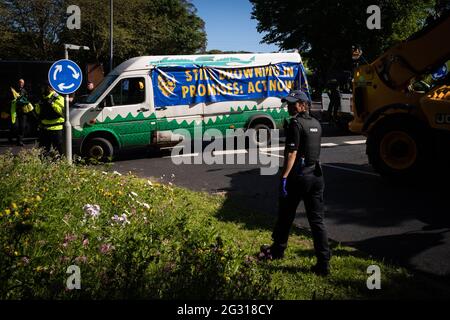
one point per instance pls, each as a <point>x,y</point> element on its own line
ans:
<point>51,139</point>
<point>333,108</point>
<point>18,129</point>
<point>308,188</point>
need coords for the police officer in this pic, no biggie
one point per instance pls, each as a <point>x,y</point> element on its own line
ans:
<point>50,113</point>
<point>301,180</point>
<point>335,100</point>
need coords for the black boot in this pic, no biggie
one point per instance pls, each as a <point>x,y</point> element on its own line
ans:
<point>321,268</point>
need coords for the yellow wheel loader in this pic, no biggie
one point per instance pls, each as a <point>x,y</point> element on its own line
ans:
<point>406,121</point>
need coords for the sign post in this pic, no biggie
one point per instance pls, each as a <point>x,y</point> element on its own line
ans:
<point>65,77</point>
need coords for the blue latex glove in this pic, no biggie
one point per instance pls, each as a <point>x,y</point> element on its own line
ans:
<point>283,191</point>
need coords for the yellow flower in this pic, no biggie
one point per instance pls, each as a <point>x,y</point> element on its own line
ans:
<point>16,214</point>
<point>7,212</point>
<point>16,253</point>
<point>14,206</point>
<point>38,198</point>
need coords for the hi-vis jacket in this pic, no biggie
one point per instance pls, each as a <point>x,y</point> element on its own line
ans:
<point>19,101</point>
<point>51,112</point>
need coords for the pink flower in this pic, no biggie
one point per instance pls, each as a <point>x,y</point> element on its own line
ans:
<point>64,259</point>
<point>81,259</point>
<point>85,242</point>
<point>105,248</point>
<point>70,238</point>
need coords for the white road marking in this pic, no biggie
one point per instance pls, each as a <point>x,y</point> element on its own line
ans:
<point>183,155</point>
<point>271,149</point>
<point>351,170</point>
<point>329,144</point>
<point>272,154</point>
<point>222,152</point>
<point>355,142</point>
<point>266,151</point>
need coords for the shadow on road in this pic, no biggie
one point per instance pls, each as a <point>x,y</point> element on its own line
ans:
<point>355,202</point>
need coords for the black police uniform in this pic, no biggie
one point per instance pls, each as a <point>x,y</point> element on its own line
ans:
<point>335,103</point>
<point>305,182</point>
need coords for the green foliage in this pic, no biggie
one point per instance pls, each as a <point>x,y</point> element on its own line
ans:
<point>29,29</point>
<point>38,29</point>
<point>324,31</point>
<point>141,27</point>
<point>167,250</point>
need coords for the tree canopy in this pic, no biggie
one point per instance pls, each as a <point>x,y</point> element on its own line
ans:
<point>36,30</point>
<point>324,31</point>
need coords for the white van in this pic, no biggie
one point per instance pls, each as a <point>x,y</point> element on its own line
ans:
<point>143,100</point>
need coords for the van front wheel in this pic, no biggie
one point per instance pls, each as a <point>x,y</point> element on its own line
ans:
<point>260,135</point>
<point>99,149</point>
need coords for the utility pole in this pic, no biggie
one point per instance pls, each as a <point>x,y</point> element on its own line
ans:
<point>111,34</point>
<point>67,125</point>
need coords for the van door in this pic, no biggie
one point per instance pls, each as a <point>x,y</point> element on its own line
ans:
<point>128,113</point>
<point>170,118</point>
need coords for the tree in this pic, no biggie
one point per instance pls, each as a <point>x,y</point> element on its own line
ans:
<point>324,31</point>
<point>36,30</point>
<point>141,27</point>
<point>30,29</point>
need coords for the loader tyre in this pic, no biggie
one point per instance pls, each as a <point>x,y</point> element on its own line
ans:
<point>397,149</point>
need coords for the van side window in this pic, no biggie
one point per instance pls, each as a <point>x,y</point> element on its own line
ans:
<point>128,91</point>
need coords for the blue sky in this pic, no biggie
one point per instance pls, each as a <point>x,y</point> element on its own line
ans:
<point>229,26</point>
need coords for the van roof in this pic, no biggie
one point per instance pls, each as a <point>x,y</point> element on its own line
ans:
<point>211,60</point>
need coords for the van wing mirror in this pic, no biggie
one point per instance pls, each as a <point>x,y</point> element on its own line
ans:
<point>107,102</point>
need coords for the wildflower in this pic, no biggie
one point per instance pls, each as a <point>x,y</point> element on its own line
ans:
<point>122,220</point>
<point>104,172</point>
<point>117,173</point>
<point>81,259</point>
<point>25,261</point>
<point>146,205</point>
<point>92,210</point>
<point>64,259</point>
<point>70,238</point>
<point>85,242</point>
<point>14,206</point>
<point>105,248</point>
<point>38,198</point>
<point>149,183</point>
<point>16,253</point>
<point>133,193</point>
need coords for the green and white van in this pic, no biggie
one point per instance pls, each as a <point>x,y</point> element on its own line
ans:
<point>143,100</point>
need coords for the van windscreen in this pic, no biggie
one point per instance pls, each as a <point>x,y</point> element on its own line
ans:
<point>98,91</point>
